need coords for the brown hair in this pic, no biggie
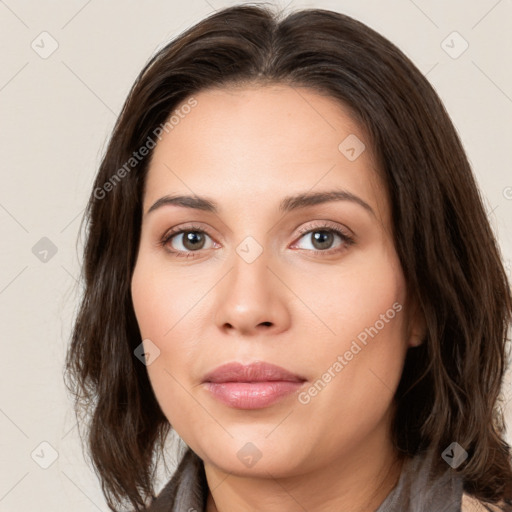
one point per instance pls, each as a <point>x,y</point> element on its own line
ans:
<point>450,385</point>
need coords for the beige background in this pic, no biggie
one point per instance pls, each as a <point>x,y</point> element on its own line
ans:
<point>56,115</point>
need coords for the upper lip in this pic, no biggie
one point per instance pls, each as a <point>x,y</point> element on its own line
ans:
<point>258,371</point>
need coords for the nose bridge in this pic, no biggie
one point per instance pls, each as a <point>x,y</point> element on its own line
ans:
<point>249,279</point>
<point>249,297</point>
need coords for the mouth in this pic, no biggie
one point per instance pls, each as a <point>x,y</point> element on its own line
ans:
<point>252,386</point>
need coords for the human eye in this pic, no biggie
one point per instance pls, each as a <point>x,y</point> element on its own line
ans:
<point>189,239</point>
<point>325,233</point>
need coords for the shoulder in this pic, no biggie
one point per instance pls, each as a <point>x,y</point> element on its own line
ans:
<point>472,504</point>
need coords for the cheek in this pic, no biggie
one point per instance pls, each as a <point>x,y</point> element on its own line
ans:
<point>356,377</point>
<point>345,302</point>
<point>163,311</point>
<point>162,300</point>
<point>363,344</point>
<point>364,360</point>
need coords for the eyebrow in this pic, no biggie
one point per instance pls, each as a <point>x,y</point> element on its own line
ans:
<point>288,204</point>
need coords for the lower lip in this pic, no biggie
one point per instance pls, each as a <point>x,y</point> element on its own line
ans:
<point>251,395</point>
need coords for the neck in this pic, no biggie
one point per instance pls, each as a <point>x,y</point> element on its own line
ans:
<point>357,481</point>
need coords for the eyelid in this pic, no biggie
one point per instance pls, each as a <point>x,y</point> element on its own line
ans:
<point>327,224</point>
<point>185,227</point>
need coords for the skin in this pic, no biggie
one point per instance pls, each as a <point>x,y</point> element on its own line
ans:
<point>247,148</point>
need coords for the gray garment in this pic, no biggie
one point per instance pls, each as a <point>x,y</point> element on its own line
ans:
<point>414,492</point>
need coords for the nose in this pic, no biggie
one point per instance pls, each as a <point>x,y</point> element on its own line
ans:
<point>251,299</point>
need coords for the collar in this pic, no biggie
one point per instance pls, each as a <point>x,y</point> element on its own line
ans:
<point>416,490</point>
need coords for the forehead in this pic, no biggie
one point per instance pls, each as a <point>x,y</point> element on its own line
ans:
<point>254,141</point>
<point>244,116</point>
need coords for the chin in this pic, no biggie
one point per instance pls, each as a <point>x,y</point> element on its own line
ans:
<point>254,455</point>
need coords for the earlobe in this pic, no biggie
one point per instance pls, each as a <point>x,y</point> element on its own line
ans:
<point>416,340</point>
<point>418,326</point>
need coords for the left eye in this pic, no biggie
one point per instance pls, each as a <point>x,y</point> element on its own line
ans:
<point>322,239</point>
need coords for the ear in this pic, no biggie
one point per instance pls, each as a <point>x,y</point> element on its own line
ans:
<point>417,327</point>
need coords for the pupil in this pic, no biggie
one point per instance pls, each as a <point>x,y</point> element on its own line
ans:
<point>192,237</point>
<point>324,238</point>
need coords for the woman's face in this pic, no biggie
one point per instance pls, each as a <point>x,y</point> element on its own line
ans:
<point>312,286</point>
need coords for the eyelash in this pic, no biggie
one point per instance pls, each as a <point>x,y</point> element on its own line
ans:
<point>325,227</point>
